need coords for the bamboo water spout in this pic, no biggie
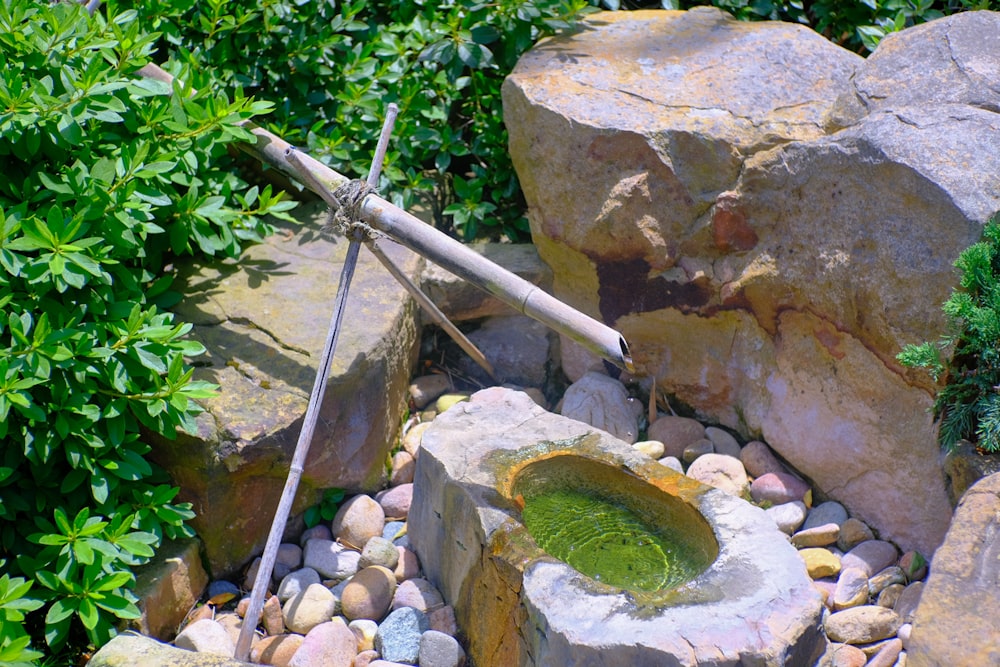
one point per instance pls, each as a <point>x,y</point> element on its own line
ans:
<point>452,255</point>
<point>441,249</point>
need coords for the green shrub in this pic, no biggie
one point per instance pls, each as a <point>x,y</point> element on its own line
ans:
<point>333,67</point>
<point>106,178</point>
<point>968,405</point>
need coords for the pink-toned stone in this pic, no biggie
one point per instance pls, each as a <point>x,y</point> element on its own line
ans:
<point>887,655</point>
<point>271,617</point>
<point>443,620</point>
<point>357,520</point>
<point>277,650</point>
<point>408,565</point>
<point>843,655</point>
<point>417,593</point>
<point>330,644</point>
<point>403,466</point>
<point>366,658</point>
<point>396,501</point>
<point>759,460</point>
<point>778,488</point>
<point>827,588</point>
<point>914,565</point>
<point>720,471</point>
<point>368,594</point>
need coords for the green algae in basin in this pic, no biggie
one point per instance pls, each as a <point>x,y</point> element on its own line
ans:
<point>612,526</point>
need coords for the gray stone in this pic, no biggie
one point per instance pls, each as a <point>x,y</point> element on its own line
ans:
<point>440,650</point>
<point>909,601</point>
<point>697,449</point>
<point>297,581</point>
<point>817,536</point>
<point>517,348</point>
<point>133,650</point>
<point>206,636</point>
<point>683,210</point>
<point>958,55</point>
<point>263,319</point>
<point>829,512</point>
<point>330,559</point>
<point>788,516</point>
<point>398,636</point>
<point>723,441</point>
<point>379,551</point>
<point>460,525</point>
<point>872,556</point>
<point>673,463</point>
<point>964,465</point>
<point>602,402</point>
<point>392,529</point>
<point>852,533</point>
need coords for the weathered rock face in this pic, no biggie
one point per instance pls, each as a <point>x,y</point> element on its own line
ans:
<point>169,587</point>
<point>754,605</point>
<point>960,597</point>
<point>767,228</point>
<point>264,320</point>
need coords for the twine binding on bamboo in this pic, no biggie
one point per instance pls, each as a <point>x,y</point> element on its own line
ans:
<point>346,218</point>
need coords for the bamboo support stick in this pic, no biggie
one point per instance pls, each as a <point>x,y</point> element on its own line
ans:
<point>433,311</point>
<point>266,567</point>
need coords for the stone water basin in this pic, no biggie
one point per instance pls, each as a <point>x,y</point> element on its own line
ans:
<point>712,579</point>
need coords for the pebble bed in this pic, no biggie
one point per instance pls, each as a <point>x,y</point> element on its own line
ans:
<point>351,593</point>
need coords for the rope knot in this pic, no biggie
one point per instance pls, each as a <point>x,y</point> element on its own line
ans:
<point>347,218</point>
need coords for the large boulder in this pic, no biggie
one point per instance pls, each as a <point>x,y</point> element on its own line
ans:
<point>767,232</point>
<point>264,320</point>
<point>956,619</point>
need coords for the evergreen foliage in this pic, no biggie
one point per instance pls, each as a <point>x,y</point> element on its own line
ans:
<point>968,405</point>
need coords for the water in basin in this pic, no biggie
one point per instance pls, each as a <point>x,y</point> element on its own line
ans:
<point>612,526</point>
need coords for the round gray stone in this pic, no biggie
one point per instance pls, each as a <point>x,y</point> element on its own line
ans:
<point>398,636</point>
<point>828,512</point>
